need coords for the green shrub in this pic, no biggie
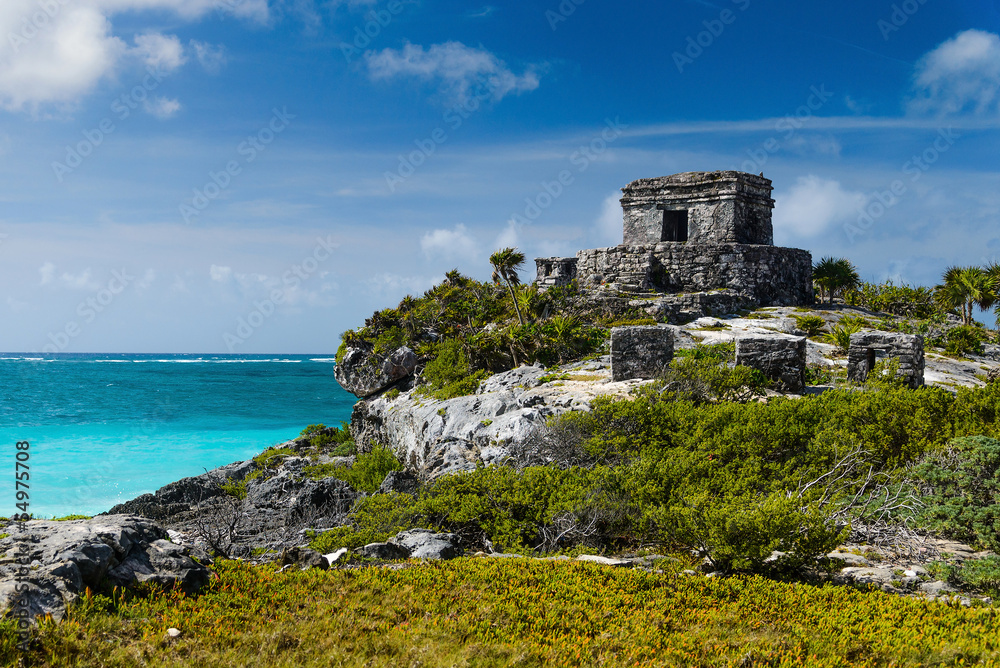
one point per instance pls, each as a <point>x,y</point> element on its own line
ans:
<point>322,437</point>
<point>373,520</point>
<point>961,487</point>
<point>449,375</point>
<point>237,490</point>
<point>812,325</point>
<point>909,301</point>
<point>740,532</point>
<point>965,340</point>
<point>272,457</point>
<point>705,374</point>
<point>840,334</point>
<point>365,474</point>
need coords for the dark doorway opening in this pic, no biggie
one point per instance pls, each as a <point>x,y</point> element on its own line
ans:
<point>675,226</point>
<point>871,361</point>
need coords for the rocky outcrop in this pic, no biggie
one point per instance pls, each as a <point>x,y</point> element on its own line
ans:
<point>993,376</point>
<point>498,424</point>
<point>364,373</point>
<point>230,511</point>
<point>58,561</point>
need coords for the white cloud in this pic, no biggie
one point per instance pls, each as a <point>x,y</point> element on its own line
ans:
<point>160,52</point>
<point>608,226</point>
<point>161,107</point>
<point>54,53</point>
<point>813,204</point>
<point>220,274</point>
<point>81,281</point>
<point>962,75</point>
<point>450,244</point>
<point>212,58</point>
<point>47,272</point>
<point>462,73</point>
<point>510,237</point>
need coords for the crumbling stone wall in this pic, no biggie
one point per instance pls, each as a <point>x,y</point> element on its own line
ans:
<point>771,275</point>
<point>870,348</point>
<point>781,358</point>
<point>640,351</point>
<point>551,272</point>
<point>721,207</point>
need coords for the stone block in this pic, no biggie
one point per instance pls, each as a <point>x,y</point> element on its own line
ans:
<point>869,348</point>
<point>640,352</point>
<point>781,358</point>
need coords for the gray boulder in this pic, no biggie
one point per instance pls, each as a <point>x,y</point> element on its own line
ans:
<point>403,482</point>
<point>59,560</point>
<point>385,551</point>
<point>425,544</point>
<point>363,373</point>
<point>303,557</point>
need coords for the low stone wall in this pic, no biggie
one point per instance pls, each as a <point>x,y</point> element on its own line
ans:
<point>554,272</point>
<point>771,275</point>
<point>641,351</point>
<point>678,309</point>
<point>870,348</point>
<point>781,358</point>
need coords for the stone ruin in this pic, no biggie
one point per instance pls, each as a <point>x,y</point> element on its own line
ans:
<point>869,348</point>
<point>697,233</point>
<point>781,358</point>
<point>641,351</point>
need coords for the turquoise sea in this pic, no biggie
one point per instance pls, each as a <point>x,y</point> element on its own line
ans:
<point>104,428</point>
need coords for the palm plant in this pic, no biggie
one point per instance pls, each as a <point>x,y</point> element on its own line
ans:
<point>993,271</point>
<point>964,288</point>
<point>835,276</point>
<point>506,262</point>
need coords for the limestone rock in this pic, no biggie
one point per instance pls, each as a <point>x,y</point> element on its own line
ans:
<point>67,557</point>
<point>498,424</point>
<point>385,551</point>
<point>425,544</point>
<point>403,482</point>
<point>363,373</point>
<point>640,352</point>
<point>993,376</point>
<point>304,558</point>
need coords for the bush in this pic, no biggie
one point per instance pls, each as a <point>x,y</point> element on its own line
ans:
<point>707,374</point>
<point>365,474</point>
<point>961,484</point>
<point>322,437</point>
<point>840,334</point>
<point>977,574</point>
<point>373,520</point>
<point>741,531</point>
<point>448,375</point>
<point>965,340</point>
<point>812,325</point>
<point>909,301</point>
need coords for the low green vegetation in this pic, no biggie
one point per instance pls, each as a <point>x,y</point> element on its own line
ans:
<point>366,473</point>
<point>502,612</point>
<point>272,457</point>
<point>812,325</point>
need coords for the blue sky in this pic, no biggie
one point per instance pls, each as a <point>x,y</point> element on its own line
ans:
<point>260,175</point>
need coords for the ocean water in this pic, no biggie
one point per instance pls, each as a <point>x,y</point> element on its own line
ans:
<point>104,428</point>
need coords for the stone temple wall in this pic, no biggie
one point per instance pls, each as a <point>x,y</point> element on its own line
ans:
<point>771,275</point>
<point>719,207</point>
<point>870,348</point>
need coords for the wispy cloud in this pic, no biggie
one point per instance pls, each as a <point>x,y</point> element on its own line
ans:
<point>813,204</point>
<point>449,244</point>
<point>460,72</point>
<point>962,75</point>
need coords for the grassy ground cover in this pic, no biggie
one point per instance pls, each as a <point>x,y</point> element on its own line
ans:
<point>499,612</point>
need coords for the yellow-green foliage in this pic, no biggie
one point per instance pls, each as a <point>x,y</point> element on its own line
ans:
<point>503,612</point>
<point>271,458</point>
<point>373,519</point>
<point>365,474</point>
<point>235,489</point>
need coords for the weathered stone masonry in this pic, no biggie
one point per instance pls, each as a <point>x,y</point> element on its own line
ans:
<point>870,348</point>
<point>694,232</point>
